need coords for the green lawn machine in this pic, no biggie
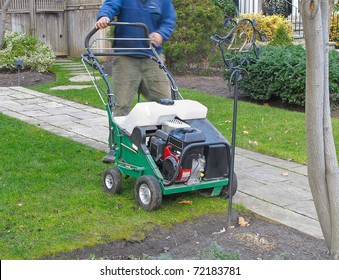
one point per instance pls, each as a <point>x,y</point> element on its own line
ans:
<point>168,146</point>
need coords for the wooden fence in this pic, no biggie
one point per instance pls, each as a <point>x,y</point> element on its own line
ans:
<point>40,5</point>
<point>61,24</point>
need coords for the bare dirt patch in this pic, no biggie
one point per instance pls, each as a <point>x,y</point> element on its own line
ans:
<point>25,79</point>
<point>194,239</point>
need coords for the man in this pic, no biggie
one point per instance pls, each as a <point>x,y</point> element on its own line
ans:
<point>133,73</point>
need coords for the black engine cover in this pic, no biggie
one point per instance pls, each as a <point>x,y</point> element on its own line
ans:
<point>179,138</point>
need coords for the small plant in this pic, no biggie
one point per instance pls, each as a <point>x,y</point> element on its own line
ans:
<point>215,252</point>
<point>19,46</point>
<point>164,257</point>
<point>282,256</point>
<point>281,38</point>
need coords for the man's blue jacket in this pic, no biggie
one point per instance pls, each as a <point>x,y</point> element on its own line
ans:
<point>158,15</point>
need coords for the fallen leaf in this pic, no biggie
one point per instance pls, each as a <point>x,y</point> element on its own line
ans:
<point>242,222</point>
<point>186,202</point>
<point>253,142</point>
<point>245,132</point>
<point>285,173</point>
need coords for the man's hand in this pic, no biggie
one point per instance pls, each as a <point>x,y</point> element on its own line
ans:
<point>156,38</point>
<point>102,23</point>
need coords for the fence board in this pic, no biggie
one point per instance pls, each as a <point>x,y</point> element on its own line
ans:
<point>40,5</point>
<point>17,5</point>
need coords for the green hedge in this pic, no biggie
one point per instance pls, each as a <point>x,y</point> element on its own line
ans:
<point>280,73</point>
<point>190,47</point>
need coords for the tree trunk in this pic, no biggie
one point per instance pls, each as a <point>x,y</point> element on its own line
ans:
<point>323,171</point>
<point>4,10</point>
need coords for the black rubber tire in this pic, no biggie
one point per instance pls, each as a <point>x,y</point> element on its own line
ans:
<point>111,180</point>
<point>148,192</point>
<point>225,192</point>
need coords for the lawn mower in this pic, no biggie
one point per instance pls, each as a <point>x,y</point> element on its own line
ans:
<point>168,146</point>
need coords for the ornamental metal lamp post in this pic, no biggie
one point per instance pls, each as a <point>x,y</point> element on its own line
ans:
<point>18,63</point>
<point>238,49</point>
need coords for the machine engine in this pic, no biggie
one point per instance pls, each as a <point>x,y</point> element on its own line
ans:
<point>178,150</point>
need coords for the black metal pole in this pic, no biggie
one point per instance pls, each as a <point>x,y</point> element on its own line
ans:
<point>19,75</point>
<point>234,130</point>
<point>18,63</point>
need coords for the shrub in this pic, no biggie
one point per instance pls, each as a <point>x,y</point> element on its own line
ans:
<point>334,29</point>
<point>227,6</point>
<point>280,73</point>
<point>281,38</point>
<point>35,55</point>
<point>191,46</point>
<point>334,77</point>
<point>270,24</point>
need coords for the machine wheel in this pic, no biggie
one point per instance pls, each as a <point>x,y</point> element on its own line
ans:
<point>112,180</point>
<point>225,191</point>
<point>148,193</point>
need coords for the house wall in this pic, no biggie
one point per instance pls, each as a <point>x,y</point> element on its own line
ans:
<point>247,7</point>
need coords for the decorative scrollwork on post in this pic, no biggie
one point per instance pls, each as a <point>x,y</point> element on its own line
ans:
<point>238,49</point>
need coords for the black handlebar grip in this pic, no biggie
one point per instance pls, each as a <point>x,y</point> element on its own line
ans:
<point>89,36</point>
<point>136,24</point>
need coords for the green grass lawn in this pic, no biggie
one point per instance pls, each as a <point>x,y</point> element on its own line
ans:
<point>51,199</point>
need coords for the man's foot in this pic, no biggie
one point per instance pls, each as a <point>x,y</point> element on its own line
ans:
<point>110,158</point>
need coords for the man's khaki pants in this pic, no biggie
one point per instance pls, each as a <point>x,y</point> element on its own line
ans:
<point>131,75</point>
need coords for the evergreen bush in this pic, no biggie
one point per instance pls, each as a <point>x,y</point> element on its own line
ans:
<point>19,46</point>
<point>281,38</point>
<point>190,47</point>
<point>280,73</point>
